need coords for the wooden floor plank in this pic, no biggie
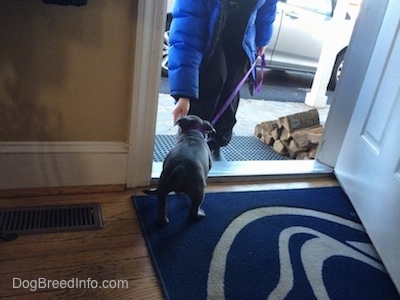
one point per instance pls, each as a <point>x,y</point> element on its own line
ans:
<point>124,270</point>
<point>63,247</point>
<point>125,227</point>
<point>140,289</point>
<point>74,259</point>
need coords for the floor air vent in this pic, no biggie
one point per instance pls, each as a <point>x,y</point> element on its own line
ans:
<point>46,219</point>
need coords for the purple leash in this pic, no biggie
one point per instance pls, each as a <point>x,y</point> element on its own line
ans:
<point>239,86</point>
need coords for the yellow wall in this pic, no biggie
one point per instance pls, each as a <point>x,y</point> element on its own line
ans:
<point>65,71</point>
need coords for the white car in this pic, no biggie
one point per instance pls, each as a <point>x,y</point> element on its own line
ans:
<point>300,29</point>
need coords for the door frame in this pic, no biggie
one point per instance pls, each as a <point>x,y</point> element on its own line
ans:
<point>148,44</point>
<point>146,79</point>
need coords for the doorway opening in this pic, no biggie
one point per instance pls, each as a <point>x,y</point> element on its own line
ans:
<point>283,93</point>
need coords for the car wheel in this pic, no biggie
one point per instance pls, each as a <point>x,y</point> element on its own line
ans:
<point>164,58</point>
<point>337,70</point>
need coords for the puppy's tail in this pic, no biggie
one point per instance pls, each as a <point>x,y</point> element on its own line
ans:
<point>174,180</point>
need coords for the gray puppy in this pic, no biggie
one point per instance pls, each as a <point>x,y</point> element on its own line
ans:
<point>186,167</point>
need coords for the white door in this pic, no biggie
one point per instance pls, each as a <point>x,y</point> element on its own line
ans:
<point>368,166</point>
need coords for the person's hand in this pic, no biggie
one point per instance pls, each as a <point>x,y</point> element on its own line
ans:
<point>261,50</point>
<point>181,109</point>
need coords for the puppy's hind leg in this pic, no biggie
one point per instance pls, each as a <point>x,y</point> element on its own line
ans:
<point>197,197</point>
<point>162,218</point>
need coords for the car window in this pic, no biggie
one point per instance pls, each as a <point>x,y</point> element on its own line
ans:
<point>323,7</point>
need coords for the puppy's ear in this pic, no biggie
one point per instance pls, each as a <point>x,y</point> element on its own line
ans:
<point>207,127</point>
<point>182,121</point>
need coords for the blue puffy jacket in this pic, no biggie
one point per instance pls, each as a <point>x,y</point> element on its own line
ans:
<point>193,31</point>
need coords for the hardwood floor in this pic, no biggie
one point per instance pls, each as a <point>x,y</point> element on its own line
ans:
<point>116,253</point>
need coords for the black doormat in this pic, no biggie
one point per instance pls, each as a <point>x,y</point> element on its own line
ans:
<point>241,148</point>
<point>46,219</point>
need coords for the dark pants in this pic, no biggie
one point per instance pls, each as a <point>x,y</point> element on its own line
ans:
<point>219,76</point>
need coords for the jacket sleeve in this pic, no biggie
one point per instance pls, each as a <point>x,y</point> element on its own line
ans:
<point>188,38</point>
<point>264,21</point>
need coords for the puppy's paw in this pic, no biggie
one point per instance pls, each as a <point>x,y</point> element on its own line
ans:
<point>198,214</point>
<point>162,221</point>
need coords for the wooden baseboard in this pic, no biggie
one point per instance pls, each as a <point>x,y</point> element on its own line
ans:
<point>62,165</point>
<point>54,191</point>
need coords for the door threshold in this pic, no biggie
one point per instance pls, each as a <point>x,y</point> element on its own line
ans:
<point>259,170</point>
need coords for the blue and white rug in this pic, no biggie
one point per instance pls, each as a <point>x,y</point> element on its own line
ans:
<point>289,244</point>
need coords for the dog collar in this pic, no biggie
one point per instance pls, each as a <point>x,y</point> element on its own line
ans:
<point>198,128</point>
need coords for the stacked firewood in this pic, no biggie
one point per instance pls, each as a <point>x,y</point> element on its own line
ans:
<point>295,135</point>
